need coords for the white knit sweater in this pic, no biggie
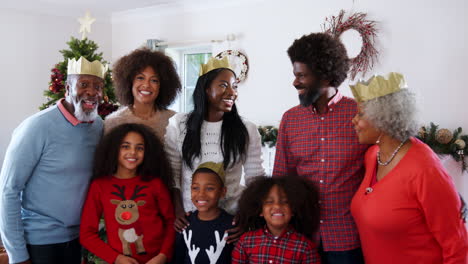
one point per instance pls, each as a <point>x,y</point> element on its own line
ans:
<point>211,151</point>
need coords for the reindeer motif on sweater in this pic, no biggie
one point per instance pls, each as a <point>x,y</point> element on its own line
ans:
<point>127,215</point>
<point>203,242</point>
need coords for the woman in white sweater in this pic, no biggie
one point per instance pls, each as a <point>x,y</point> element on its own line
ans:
<point>215,132</point>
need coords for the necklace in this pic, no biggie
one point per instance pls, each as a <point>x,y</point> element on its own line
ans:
<point>391,157</point>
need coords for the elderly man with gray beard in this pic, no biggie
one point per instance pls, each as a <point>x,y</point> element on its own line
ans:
<point>46,172</point>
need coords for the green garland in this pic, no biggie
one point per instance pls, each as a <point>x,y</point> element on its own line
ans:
<point>88,49</point>
<point>443,141</point>
<point>268,135</point>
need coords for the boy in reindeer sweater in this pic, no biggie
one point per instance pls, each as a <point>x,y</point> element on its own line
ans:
<point>204,240</point>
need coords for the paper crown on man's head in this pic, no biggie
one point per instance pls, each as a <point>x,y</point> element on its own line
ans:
<point>83,66</point>
<point>213,64</point>
<point>378,86</point>
<point>217,168</point>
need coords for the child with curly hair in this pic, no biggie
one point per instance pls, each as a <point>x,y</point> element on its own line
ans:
<point>280,217</point>
<point>130,189</point>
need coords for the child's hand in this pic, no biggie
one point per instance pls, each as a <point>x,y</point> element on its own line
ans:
<point>159,259</point>
<point>121,259</point>
<point>234,233</point>
<point>181,221</point>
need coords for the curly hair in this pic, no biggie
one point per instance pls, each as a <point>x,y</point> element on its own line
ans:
<point>155,162</point>
<point>302,196</point>
<point>395,114</point>
<point>127,67</point>
<point>324,55</point>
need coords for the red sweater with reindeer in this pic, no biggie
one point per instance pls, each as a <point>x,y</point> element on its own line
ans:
<point>138,216</point>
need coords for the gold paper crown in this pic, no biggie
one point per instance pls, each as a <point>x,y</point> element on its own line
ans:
<point>378,86</point>
<point>213,64</point>
<point>83,66</point>
<point>217,168</point>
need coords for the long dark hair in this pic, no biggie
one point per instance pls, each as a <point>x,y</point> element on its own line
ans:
<point>302,196</point>
<point>154,165</point>
<point>234,134</point>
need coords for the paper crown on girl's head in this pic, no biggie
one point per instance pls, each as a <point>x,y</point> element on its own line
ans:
<point>213,64</point>
<point>217,168</point>
<point>83,66</point>
<point>378,86</point>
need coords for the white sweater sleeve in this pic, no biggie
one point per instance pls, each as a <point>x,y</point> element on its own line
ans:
<point>253,163</point>
<point>171,145</point>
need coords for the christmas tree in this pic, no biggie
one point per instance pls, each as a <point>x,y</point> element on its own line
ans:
<point>88,49</point>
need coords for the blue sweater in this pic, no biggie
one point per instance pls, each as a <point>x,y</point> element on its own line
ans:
<point>44,180</point>
<point>202,235</point>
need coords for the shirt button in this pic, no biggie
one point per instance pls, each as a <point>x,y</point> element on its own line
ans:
<point>271,261</point>
<point>322,118</point>
<point>321,181</point>
<point>319,202</point>
<point>321,221</point>
<point>322,139</point>
<point>274,241</point>
<point>322,160</point>
<point>331,110</point>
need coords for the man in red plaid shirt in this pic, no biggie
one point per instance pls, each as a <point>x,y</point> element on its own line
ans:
<point>316,140</point>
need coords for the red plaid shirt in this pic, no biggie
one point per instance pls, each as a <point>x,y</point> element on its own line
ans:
<point>260,246</point>
<point>324,148</point>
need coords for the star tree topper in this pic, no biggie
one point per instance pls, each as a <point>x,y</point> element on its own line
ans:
<point>85,24</point>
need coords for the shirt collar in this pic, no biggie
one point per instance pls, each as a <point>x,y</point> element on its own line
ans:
<point>70,118</point>
<point>285,233</point>
<point>333,101</point>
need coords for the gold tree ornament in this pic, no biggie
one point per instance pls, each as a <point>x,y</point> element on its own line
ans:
<point>422,132</point>
<point>460,143</point>
<point>444,136</point>
<point>85,24</point>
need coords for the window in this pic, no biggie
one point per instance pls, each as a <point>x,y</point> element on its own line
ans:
<point>192,62</point>
<point>188,62</point>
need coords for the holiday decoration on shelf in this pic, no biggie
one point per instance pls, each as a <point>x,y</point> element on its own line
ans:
<point>238,61</point>
<point>268,135</point>
<point>443,141</point>
<point>367,58</point>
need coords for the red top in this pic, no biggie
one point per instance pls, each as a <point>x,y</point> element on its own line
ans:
<point>260,246</point>
<point>148,203</point>
<point>324,148</point>
<point>412,215</point>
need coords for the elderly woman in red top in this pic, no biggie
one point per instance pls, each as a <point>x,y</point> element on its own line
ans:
<point>407,209</point>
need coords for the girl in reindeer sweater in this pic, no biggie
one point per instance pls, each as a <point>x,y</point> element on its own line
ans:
<point>130,190</point>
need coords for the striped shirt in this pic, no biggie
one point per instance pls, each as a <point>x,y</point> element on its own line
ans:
<point>324,148</point>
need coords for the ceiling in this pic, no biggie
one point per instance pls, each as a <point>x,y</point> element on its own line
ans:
<point>74,8</point>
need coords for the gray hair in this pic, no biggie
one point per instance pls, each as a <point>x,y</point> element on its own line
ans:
<point>394,114</point>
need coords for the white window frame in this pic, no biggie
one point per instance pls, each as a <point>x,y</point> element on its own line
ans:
<point>178,54</point>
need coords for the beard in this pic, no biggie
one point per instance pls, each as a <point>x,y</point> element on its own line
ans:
<point>311,95</point>
<point>80,114</point>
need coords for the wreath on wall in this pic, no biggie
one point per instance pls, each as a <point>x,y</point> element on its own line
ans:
<point>238,61</point>
<point>368,56</point>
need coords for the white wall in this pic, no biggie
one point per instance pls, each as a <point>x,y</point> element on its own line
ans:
<point>426,40</point>
<point>29,49</point>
